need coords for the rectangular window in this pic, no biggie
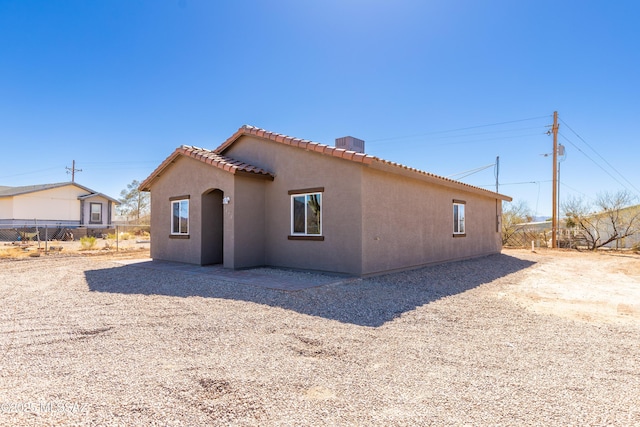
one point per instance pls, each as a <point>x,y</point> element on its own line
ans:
<point>458,218</point>
<point>306,214</point>
<point>180,217</point>
<point>95,212</point>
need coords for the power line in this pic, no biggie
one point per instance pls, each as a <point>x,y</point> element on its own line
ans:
<point>28,173</point>
<point>455,130</point>
<point>466,134</point>
<point>470,171</point>
<point>597,164</point>
<point>601,157</point>
<point>577,191</point>
<point>136,162</point>
<point>515,183</point>
<point>472,141</point>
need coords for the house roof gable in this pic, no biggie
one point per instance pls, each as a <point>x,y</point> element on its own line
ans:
<point>295,142</point>
<point>26,189</point>
<point>353,156</point>
<point>211,158</point>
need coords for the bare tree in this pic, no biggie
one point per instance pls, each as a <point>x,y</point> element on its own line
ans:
<point>610,219</point>
<point>133,202</point>
<point>513,214</point>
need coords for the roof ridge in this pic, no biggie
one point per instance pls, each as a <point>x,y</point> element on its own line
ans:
<point>209,157</point>
<point>295,142</point>
<point>326,149</point>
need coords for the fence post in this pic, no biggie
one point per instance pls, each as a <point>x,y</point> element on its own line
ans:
<point>46,239</point>
<point>117,240</point>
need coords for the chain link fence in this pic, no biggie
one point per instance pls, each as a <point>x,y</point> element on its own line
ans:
<point>56,237</point>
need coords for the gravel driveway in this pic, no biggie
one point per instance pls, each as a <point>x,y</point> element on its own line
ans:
<point>87,341</point>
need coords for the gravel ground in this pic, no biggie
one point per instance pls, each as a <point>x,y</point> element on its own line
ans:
<point>86,341</point>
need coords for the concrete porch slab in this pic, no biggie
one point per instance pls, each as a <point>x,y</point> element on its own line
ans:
<point>264,277</point>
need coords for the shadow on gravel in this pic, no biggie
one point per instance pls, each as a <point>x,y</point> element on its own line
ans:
<point>365,302</point>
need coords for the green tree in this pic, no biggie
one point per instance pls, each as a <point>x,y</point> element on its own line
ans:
<point>133,202</point>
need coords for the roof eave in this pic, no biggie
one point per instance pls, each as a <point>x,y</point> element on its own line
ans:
<point>187,151</point>
<point>88,196</point>
<point>146,184</point>
<point>398,169</point>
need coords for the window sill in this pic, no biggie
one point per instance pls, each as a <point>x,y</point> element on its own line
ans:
<point>178,236</point>
<point>316,238</point>
<point>460,235</point>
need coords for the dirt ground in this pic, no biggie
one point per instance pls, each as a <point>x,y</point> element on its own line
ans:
<point>585,286</point>
<point>519,338</point>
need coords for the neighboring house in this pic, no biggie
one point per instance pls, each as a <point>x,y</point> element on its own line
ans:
<point>600,228</point>
<point>65,204</point>
<point>265,199</point>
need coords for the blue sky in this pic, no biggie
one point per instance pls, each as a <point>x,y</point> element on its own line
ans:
<point>443,86</point>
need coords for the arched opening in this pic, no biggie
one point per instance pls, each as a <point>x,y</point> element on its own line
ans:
<point>212,228</point>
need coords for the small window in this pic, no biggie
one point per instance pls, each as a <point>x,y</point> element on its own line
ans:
<point>458,218</point>
<point>96,212</point>
<point>180,217</point>
<point>306,214</point>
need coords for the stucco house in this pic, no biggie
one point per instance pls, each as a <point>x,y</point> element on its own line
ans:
<point>266,199</point>
<point>64,204</point>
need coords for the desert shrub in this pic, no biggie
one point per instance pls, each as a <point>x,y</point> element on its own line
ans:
<point>143,234</point>
<point>88,242</point>
<point>12,253</point>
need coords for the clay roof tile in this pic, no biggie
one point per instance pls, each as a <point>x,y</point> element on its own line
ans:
<point>332,151</point>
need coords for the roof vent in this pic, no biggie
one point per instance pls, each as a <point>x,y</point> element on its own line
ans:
<point>350,143</point>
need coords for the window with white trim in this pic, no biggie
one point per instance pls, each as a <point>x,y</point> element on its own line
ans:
<point>180,217</point>
<point>95,212</point>
<point>306,214</point>
<point>458,218</point>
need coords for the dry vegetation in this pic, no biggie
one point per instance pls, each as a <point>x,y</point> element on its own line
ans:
<point>103,248</point>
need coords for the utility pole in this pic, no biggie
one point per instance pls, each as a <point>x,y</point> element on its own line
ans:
<point>554,217</point>
<point>73,171</point>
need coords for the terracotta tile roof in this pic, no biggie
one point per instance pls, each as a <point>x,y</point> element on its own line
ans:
<point>345,154</point>
<point>296,142</point>
<point>211,158</point>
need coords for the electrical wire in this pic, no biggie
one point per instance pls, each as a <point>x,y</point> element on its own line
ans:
<point>471,172</point>
<point>599,155</point>
<point>28,173</point>
<point>431,138</point>
<point>596,163</point>
<point>455,130</point>
<point>577,191</point>
<point>515,183</point>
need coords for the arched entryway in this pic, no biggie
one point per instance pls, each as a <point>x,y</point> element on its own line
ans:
<point>212,228</point>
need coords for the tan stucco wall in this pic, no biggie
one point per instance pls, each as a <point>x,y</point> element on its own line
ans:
<point>296,169</point>
<point>56,204</point>
<point>188,177</point>
<point>408,223</point>
<point>249,222</point>
<point>6,208</point>
<point>372,220</point>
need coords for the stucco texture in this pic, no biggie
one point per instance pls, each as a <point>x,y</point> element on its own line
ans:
<point>375,217</point>
<point>409,223</point>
